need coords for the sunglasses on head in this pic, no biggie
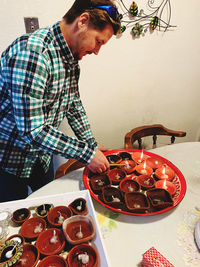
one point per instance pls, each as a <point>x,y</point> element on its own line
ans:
<point>112,11</point>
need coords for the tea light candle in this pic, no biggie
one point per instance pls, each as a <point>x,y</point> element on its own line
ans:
<point>165,173</point>
<point>84,258</point>
<point>117,176</point>
<point>115,199</point>
<point>128,166</point>
<point>144,169</point>
<point>99,182</point>
<point>38,229</point>
<point>60,218</point>
<point>54,239</point>
<point>79,234</point>
<point>167,185</point>
<point>79,207</point>
<point>130,188</point>
<point>139,157</point>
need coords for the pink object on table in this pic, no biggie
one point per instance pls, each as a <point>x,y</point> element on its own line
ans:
<point>153,258</point>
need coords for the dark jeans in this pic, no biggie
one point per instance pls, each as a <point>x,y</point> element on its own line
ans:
<point>14,188</point>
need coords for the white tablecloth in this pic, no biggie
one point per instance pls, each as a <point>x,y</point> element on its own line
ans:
<point>127,237</point>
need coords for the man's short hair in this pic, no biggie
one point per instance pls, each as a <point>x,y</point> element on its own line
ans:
<point>98,18</point>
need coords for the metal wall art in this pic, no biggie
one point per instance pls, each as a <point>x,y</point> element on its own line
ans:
<point>158,17</point>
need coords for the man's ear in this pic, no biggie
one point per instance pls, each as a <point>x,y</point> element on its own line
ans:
<point>83,20</point>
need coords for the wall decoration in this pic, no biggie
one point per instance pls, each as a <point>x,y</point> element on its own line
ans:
<point>157,18</point>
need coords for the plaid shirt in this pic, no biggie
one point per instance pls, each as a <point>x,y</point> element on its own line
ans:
<point>38,88</point>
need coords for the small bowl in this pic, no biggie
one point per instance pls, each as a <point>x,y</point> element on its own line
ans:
<point>139,157</point>
<point>128,166</point>
<point>58,214</point>
<point>29,257</point>
<point>31,228</point>
<point>17,238</point>
<point>167,185</point>
<point>15,256</point>
<point>145,181</point>
<point>114,159</point>
<point>116,175</point>
<point>159,198</point>
<point>113,197</point>
<point>43,210</point>
<point>129,185</point>
<point>154,163</point>
<point>83,255</point>
<point>79,229</point>
<point>137,202</point>
<point>50,242</point>
<point>53,260</point>
<point>165,173</point>
<point>79,206</point>
<point>21,215</point>
<point>98,182</point>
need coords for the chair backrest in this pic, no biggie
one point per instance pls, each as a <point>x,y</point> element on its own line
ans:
<point>69,166</point>
<point>138,133</point>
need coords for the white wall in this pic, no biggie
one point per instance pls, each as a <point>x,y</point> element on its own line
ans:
<point>132,82</point>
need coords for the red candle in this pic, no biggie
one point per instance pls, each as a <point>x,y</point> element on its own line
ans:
<point>167,185</point>
<point>165,173</point>
<point>144,169</point>
<point>139,157</point>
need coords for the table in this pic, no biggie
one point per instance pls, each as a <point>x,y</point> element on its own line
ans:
<point>127,238</point>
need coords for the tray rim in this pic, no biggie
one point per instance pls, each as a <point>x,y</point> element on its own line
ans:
<point>169,163</point>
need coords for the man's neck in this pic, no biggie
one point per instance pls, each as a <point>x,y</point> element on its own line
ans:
<point>65,29</point>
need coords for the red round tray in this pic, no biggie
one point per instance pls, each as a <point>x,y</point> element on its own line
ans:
<point>179,181</point>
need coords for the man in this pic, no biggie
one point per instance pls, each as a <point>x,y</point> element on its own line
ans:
<point>39,76</point>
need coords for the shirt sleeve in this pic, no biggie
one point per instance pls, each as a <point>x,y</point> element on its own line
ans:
<point>78,121</point>
<point>29,75</point>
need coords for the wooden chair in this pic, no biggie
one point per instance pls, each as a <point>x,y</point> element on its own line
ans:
<point>131,137</point>
<point>138,133</point>
<point>69,166</point>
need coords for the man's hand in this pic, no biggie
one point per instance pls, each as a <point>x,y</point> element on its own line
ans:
<point>99,163</point>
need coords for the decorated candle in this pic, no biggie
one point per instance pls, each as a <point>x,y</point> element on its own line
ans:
<point>144,169</point>
<point>139,157</point>
<point>154,163</point>
<point>165,173</point>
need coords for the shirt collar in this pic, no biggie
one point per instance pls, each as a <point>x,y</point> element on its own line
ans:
<point>65,50</point>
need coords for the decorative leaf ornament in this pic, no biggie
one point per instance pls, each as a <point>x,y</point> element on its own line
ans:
<point>154,23</point>
<point>140,21</point>
<point>134,9</point>
<point>137,29</point>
